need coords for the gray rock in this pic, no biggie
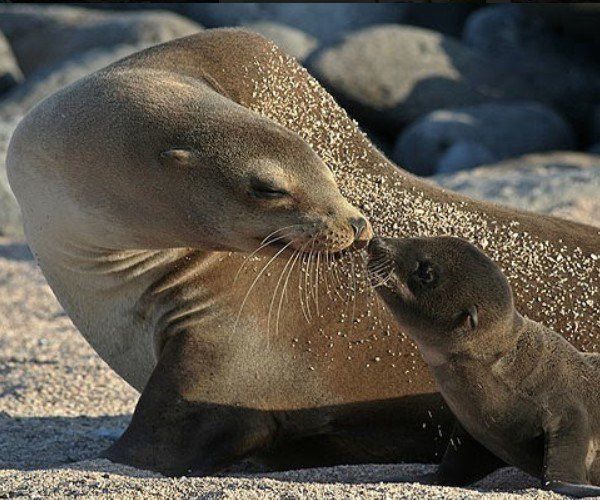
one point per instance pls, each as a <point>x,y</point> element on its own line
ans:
<point>464,155</point>
<point>10,73</point>
<point>10,215</point>
<point>560,69</point>
<point>595,129</point>
<point>502,130</point>
<point>327,21</point>
<point>577,18</point>
<point>564,184</point>
<point>500,28</point>
<point>388,76</point>
<point>291,40</point>
<point>43,36</point>
<point>391,75</point>
<point>45,82</point>
<point>447,18</point>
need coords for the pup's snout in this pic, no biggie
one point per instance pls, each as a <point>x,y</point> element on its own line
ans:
<point>376,247</point>
<point>362,231</point>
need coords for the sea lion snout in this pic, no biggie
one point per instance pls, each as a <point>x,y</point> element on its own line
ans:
<point>363,232</point>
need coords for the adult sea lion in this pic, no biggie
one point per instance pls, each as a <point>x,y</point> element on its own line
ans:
<point>521,393</point>
<point>230,366</point>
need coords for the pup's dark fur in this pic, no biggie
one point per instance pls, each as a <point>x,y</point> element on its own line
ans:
<point>521,393</point>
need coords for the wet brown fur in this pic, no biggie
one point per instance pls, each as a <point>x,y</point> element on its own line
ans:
<point>521,393</point>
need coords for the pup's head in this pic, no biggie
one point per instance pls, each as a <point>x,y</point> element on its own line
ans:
<point>444,292</point>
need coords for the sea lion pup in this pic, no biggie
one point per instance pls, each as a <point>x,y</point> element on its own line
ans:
<point>521,393</point>
<point>239,355</point>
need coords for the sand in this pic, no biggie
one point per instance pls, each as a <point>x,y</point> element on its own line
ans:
<point>60,405</point>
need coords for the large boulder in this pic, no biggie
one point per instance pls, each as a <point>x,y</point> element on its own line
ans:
<point>447,18</point>
<point>563,184</point>
<point>462,138</point>
<point>327,21</point>
<point>10,73</point>
<point>578,19</point>
<point>389,76</point>
<point>45,82</point>
<point>43,36</point>
<point>562,70</point>
<point>10,215</point>
<point>291,40</point>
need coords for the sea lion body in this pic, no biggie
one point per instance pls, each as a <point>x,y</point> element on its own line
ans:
<point>241,371</point>
<point>519,390</point>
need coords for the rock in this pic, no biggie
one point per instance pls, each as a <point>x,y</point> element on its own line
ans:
<point>500,28</point>
<point>447,18</point>
<point>575,19</point>
<point>388,76</point>
<point>10,215</point>
<point>464,155</point>
<point>595,149</point>
<point>560,69</point>
<point>43,36</point>
<point>10,73</point>
<point>563,184</point>
<point>595,129</point>
<point>480,134</point>
<point>293,41</point>
<point>327,22</point>
<point>45,82</point>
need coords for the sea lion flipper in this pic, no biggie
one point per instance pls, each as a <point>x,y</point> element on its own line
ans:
<point>465,461</point>
<point>175,431</point>
<point>567,444</point>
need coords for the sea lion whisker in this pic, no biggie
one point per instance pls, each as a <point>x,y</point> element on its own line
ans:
<point>307,279</point>
<point>317,264</point>
<point>354,289</point>
<point>248,257</point>
<point>275,293</point>
<point>281,250</point>
<point>278,231</point>
<point>284,291</point>
<point>300,291</point>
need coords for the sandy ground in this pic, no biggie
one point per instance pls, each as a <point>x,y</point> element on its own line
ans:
<point>60,405</point>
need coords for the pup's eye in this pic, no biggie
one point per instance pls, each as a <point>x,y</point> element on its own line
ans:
<point>425,272</point>
<point>267,191</point>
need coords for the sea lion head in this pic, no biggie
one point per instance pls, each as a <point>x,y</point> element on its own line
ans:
<point>443,291</point>
<point>151,159</point>
<point>253,180</point>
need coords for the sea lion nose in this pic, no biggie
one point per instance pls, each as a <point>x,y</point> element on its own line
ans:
<point>375,245</point>
<point>358,224</point>
<point>362,231</point>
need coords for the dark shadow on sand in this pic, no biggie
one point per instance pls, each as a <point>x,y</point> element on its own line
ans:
<point>16,251</point>
<point>39,443</point>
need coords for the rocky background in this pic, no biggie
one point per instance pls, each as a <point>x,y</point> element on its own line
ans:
<point>500,102</point>
<point>512,91</point>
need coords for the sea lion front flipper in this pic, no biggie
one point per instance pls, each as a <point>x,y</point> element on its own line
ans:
<point>465,461</point>
<point>175,430</point>
<point>567,445</point>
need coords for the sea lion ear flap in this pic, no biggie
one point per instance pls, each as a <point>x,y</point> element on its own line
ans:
<point>176,157</point>
<point>469,319</point>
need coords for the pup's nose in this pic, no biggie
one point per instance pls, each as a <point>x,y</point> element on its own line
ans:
<point>375,245</point>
